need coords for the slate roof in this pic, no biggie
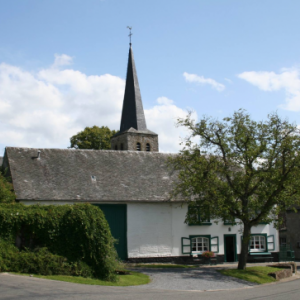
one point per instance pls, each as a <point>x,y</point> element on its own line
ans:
<point>66,175</point>
<point>132,130</point>
<point>132,112</point>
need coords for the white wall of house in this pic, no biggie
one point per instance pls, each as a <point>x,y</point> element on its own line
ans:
<point>156,229</point>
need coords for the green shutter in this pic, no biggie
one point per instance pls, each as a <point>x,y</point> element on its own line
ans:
<point>271,242</point>
<point>214,246</point>
<point>185,245</point>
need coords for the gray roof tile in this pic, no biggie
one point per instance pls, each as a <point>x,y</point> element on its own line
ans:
<point>90,175</point>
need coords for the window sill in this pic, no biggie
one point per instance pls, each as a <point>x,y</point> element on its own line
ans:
<point>201,224</point>
<point>260,253</point>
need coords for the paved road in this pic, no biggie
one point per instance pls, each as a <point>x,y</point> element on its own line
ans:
<point>191,280</point>
<point>26,288</point>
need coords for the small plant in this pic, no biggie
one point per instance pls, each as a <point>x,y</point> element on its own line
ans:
<point>208,254</point>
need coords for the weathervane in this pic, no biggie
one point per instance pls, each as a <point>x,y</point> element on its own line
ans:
<point>130,34</point>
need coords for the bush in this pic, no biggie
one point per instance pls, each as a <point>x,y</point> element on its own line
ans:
<point>77,232</point>
<point>6,189</point>
<point>40,261</point>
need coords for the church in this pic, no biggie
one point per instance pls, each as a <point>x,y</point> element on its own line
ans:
<point>131,183</point>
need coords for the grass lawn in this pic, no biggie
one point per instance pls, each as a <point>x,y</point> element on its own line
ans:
<point>253,274</point>
<point>135,278</point>
<point>164,266</point>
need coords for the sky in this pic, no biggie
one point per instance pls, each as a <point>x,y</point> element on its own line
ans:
<point>63,64</point>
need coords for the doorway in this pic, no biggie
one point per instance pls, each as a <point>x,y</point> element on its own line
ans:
<point>230,248</point>
<point>116,216</point>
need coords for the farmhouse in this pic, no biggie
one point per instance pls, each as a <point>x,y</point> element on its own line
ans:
<point>131,183</point>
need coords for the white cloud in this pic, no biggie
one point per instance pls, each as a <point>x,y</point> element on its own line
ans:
<point>287,80</point>
<point>162,119</point>
<point>228,80</point>
<point>202,80</point>
<point>62,60</point>
<point>44,109</point>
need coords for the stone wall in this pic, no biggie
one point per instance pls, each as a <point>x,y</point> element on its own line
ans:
<point>129,141</point>
<point>292,231</point>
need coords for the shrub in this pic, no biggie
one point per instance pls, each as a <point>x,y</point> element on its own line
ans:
<point>40,261</point>
<point>77,232</point>
<point>6,189</point>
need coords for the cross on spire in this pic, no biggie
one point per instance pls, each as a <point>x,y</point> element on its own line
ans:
<point>130,34</point>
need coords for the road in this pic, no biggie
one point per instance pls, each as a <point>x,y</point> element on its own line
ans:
<point>14,287</point>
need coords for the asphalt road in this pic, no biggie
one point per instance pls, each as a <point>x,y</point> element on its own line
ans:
<point>14,287</point>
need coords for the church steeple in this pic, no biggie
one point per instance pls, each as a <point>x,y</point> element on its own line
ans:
<point>132,112</point>
<point>133,134</point>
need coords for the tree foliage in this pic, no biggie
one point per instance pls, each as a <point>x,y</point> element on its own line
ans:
<point>92,138</point>
<point>39,261</point>
<point>7,194</point>
<point>78,232</point>
<point>240,169</point>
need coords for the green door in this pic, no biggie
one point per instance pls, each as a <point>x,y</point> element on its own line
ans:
<point>116,217</point>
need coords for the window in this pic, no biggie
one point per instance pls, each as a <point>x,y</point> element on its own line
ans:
<point>258,243</point>
<point>283,241</point>
<point>198,216</point>
<point>229,221</point>
<point>147,147</point>
<point>122,147</point>
<point>138,146</point>
<point>195,244</point>
<point>200,244</point>
<point>116,147</point>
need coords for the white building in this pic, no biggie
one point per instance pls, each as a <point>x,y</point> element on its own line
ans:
<point>131,183</point>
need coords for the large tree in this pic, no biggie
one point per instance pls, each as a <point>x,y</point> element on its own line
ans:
<point>92,138</point>
<point>239,169</point>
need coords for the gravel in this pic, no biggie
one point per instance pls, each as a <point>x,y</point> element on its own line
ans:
<point>203,279</point>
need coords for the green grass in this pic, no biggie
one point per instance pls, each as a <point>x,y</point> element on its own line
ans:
<point>135,278</point>
<point>253,274</point>
<point>164,266</point>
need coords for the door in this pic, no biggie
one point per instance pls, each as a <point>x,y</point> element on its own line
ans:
<point>116,216</point>
<point>230,248</point>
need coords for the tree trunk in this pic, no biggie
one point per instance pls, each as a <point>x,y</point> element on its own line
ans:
<point>245,247</point>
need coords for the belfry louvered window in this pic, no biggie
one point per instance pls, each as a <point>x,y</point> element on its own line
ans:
<point>147,147</point>
<point>138,146</point>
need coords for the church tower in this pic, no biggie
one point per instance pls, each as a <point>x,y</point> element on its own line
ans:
<point>133,134</point>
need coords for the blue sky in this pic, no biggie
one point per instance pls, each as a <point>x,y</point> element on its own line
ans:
<point>63,64</point>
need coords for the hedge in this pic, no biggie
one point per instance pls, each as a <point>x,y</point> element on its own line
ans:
<point>77,232</point>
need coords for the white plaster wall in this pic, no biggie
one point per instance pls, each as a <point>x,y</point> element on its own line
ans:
<point>47,202</point>
<point>149,230</point>
<point>156,230</point>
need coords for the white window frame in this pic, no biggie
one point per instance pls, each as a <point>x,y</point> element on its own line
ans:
<point>204,241</point>
<point>258,243</point>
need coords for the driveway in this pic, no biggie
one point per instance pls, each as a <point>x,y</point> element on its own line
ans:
<point>30,288</point>
<point>203,279</point>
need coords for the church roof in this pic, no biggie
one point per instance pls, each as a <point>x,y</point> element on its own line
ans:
<point>132,112</point>
<point>89,175</point>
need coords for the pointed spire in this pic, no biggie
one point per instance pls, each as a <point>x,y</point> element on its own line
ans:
<point>132,112</point>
